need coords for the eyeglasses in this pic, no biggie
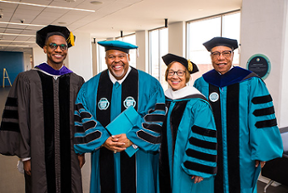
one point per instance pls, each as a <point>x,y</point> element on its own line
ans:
<point>226,54</point>
<point>113,57</point>
<point>179,73</point>
<point>54,46</point>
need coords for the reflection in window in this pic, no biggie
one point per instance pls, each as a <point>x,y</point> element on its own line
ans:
<point>158,47</point>
<point>200,31</point>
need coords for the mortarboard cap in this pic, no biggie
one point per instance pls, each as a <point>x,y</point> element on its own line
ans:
<point>117,45</point>
<point>221,41</point>
<point>190,66</point>
<point>43,34</point>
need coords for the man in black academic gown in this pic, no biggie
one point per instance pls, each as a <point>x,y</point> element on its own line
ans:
<point>37,124</point>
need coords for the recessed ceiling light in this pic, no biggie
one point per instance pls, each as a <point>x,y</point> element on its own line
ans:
<point>70,0</point>
<point>96,2</point>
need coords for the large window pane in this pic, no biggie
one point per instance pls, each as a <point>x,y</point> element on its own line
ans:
<point>199,32</point>
<point>154,53</point>
<point>158,46</point>
<point>101,59</point>
<point>163,51</point>
<point>231,29</point>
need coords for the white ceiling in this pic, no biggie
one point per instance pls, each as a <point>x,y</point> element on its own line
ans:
<point>110,17</point>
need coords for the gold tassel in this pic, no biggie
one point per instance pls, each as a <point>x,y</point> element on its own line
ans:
<point>71,39</point>
<point>190,66</point>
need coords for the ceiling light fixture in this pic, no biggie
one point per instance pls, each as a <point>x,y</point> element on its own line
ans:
<point>7,34</point>
<point>27,24</point>
<point>2,45</point>
<point>47,6</point>
<point>12,41</point>
<point>96,2</point>
<point>166,22</point>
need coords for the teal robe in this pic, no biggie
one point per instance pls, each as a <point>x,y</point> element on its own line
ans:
<point>97,104</point>
<point>189,145</point>
<point>246,127</point>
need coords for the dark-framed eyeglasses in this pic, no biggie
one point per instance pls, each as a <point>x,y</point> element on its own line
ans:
<point>179,73</point>
<point>226,54</point>
<point>54,46</point>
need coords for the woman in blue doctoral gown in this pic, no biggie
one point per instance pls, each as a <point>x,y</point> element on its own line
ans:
<point>189,145</point>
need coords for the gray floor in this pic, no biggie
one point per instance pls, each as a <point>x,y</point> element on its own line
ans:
<point>12,181</point>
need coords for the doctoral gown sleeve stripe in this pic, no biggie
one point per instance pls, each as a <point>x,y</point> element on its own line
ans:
<point>10,116</point>
<point>202,143</point>
<point>264,111</point>
<point>199,167</point>
<point>204,131</point>
<point>262,99</point>
<point>200,155</point>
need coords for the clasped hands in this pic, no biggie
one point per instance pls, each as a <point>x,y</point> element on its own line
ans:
<point>117,143</point>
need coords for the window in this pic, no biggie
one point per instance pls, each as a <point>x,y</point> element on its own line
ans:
<point>200,31</point>
<point>101,59</point>
<point>158,47</point>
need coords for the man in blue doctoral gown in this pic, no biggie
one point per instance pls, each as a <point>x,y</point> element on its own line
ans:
<point>118,118</point>
<point>247,131</point>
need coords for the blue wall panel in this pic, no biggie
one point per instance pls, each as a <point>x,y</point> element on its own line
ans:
<point>14,64</point>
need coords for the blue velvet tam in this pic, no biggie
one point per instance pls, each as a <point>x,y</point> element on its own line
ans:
<point>117,45</point>
<point>221,41</point>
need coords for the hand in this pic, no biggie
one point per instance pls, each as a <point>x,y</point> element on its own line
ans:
<point>123,139</point>
<point>113,144</point>
<point>27,167</point>
<point>81,159</point>
<point>261,163</point>
<point>197,179</point>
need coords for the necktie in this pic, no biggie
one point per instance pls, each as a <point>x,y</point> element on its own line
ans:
<point>117,84</point>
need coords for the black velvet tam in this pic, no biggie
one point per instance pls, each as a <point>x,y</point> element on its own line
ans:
<point>43,34</point>
<point>221,41</point>
<point>190,66</point>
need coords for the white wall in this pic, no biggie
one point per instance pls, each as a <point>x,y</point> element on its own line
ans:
<point>263,32</point>
<point>142,43</point>
<point>38,56</point>
<point>284,80</point>
<point>80,56</point>
<point>176,38</point>
<point>26,58</point>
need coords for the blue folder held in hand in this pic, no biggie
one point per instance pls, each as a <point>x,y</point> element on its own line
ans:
<point>124,123</point>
